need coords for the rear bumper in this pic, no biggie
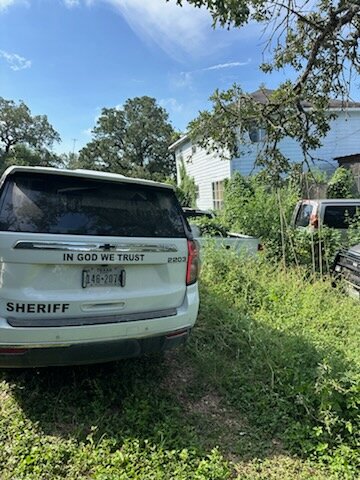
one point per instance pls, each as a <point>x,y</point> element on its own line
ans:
<point>84,354</point>
<point>22,346</point>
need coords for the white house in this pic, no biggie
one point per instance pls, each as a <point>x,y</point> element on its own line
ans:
<point>209,170</point>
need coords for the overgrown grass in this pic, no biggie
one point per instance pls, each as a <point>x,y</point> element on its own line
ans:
<point>111,421</point>
<point>285,352</point>
<point>267,388</point>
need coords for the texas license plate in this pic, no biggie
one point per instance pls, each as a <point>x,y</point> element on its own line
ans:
<point>103,277</point>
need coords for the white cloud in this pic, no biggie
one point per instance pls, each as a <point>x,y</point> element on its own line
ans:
<point>71,3</point>
<point>176,30</point>
<point>171,104</point>
<point>181,80</point>
<point>185,79</point>
<point>220,66</point>
<point>87,132</point>
<point>4,4</point>
<point>180,31</point>
<point>15,61</point>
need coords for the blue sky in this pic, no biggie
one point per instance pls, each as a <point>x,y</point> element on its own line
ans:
<point>69,58</point>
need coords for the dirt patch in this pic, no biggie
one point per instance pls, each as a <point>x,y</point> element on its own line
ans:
<point>215,421</point>
<point>181,378</point>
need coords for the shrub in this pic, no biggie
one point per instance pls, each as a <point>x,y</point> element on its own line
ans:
<point>186,192</point>
<point>341,184</point>
<point>354,230</point>
<point>314,249</point>
<point>211,227</point>
<point>254,208</point>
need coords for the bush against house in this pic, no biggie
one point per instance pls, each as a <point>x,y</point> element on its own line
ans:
<point>254,208</point>
<point>342,184</point>
<point>186,190</point>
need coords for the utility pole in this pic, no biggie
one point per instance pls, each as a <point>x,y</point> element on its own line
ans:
<point>74,142</point>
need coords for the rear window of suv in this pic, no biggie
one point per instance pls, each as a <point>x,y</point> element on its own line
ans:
<point>60,204</point>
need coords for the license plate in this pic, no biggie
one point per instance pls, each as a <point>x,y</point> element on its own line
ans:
<point>103,277</point>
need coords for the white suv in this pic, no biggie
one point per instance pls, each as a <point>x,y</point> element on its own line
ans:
<point>93,267</point>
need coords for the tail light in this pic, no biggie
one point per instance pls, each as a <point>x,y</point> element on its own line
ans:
<point>193,263</point>
<point>314,220</point>
<point>179,333</point>
<point>13,351</point>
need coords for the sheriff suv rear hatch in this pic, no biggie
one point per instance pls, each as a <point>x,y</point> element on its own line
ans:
<point>77,246</point>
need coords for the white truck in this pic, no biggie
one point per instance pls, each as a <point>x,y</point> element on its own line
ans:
<point>228,240</point>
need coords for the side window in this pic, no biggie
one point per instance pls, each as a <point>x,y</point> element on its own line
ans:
<point>218,194</point>
<point>303,216</point>
<point>338,216</point>
<point>257,134</point>
<point>197,191</point>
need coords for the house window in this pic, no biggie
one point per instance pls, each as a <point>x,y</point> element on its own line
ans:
<point>193,149</point>
<point>218,194</point>
<point>197,191</point>
<point>257,134</point>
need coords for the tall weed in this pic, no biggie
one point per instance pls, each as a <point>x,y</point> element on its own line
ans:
<point>285,351</point>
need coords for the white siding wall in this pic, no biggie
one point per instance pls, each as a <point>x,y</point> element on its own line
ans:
<point>343,139</point>
<point>204,168</point>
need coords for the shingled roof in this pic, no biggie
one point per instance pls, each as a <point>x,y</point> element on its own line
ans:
<point>262,96</point>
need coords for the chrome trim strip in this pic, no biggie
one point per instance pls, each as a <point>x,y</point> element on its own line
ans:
<point>95,247</point>
<point>81,321</point>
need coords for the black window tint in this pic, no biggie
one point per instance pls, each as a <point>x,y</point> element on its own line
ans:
<point>190,215</point>
<point>303,216</point>
<point>338,216</point>
<point>42,203</point>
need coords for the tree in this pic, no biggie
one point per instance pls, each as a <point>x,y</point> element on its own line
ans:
<point>186,191</point>
<point>318,41</point>
<point>22,155</point>
<point>132,140</point>
<point>21,131</point>
<point>70,160</point>
<point>341,184</point>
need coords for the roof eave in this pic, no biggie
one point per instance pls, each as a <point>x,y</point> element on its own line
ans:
<point>181,140</point>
